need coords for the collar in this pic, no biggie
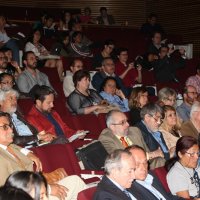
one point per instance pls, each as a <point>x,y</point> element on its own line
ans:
<point>148,180</point>
<point>3,146</point>
<point>116,184</point>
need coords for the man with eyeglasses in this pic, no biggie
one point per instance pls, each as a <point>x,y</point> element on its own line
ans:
<point>189,97</point>
<point>108,69</point>
<point>14,158</point>
<point>191,127</point>
<point>118,135</point>
<point>151,115</point>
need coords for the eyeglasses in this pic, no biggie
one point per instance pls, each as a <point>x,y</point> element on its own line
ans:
<point>158,119</point>
<point>192,154</point>
<point>194,93</point>
<point>5,127</point>
<point>6,83</point>
<point>122,123</point>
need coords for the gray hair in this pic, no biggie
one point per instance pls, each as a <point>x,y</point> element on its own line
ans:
<point>165,93</point>
<point>109,117</point>
<point>105,59</point>
<point>151,109</point>
<point>3,94</point>
<point>113,161</point>
<point>195,107</point>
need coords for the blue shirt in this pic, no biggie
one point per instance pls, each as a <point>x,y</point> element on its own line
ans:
<point>116,100</point>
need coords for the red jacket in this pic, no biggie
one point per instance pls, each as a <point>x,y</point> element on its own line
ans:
<point>38,120</point>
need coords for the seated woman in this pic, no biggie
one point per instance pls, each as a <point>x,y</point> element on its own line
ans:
<point>84,100</point>
<point>183,176</point>
<point>32,183</point>
<point>167,96</point>
<point>170,127</point>
<point>77,48</point>
<point>138,99</point>
<point>39,50</point>
<point>65,21</point>
<point>105,53</point>
<point>113,95</point>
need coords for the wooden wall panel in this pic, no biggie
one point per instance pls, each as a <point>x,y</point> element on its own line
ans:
<point>178,16</point>
<point>132,11</point>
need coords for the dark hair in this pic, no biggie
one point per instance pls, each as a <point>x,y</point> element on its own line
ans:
<point>48,16</point>
<point>26,181</point>
<point>155,32</point>
<point>120,50</point>
<point>152,15</point>
<point>87,8</point>
<point>182,145</point>
<point>134,97</point>
<point>30,38</point>
<point>5,114</point>
<point>74,61</point>
<point>41,92</point>
<point>5,49</point>
<point>62,35</point>
<point>2,75</point>
<point>12,193</point>
<point>106,80</point>
<point>102,8</point>
<point>79,75</point>
<point>74,35</point>
<point>109,42</point>
<point>163,46</point>
<point>25,55</point>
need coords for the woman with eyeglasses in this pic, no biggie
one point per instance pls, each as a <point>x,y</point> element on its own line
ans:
<point>184,172</point>
<point>167,96</point>
<point>170,127</point>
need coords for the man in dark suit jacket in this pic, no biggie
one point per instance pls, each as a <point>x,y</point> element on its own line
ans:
<point>108,69</point>
<point>119,168</point>
<point>151,115</point>
<point>146,185</point>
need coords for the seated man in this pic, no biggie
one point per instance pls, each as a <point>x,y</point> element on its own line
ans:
<point>151,115</point>
<point>119,169</point>
<point>31,76</point>
<point>104,17</point>
<point>44,117</point>
<point>129,73</point>
<point>191,127</point>
<point>189,97</point>
<point>68,85</point>
<point>108,69</point>
<point>119,135</point>
<point>24,133</point>
<point>14,158</point>
<point>146,185</point>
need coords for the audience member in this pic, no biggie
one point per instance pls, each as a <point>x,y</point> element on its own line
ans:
<point>32,183</point>
<point>137,99</point>
<point>40,23</point>
<point>108,69</point>
<point>191,127</point>
<point>167,96</point>
<point>170,127</point>
<point>25,134</point>
<point>60,48</point>
<point>31,76</point>
<point>151,115</point>
<point>65,21</point>
<point>111,92</point>
<point>118,135</point>
<point>151,26</point>
<point>77,48</point>
<point>49,27</point>
<point>120,173</point>
<point>84,100</point>
<point>183,176</point>
<point>86,18</point>
<point>129,73</point>
<point>6,41</point>
<point>106,52</point>
<point>165,67</point>
<point>12,66</point>
<point>146,185</point>
<point>104,17</point>
<point>41,52</point>
<point>189,97</point>
<point>7,82</point>
<point>15,158</point>
<point>44,117</point>
<point>12,193</point>
<point>68,85</point>
<point>195,80</point>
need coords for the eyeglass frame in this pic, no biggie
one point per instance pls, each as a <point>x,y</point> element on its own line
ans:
<point>192,154</point>
<point>122,123</point>
<point>157,120</point>
<point>5,127</point>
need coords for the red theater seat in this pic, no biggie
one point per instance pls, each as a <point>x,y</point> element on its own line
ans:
<point>86,194</point>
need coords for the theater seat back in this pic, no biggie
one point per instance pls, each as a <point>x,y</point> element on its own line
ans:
<point>86,194</point>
